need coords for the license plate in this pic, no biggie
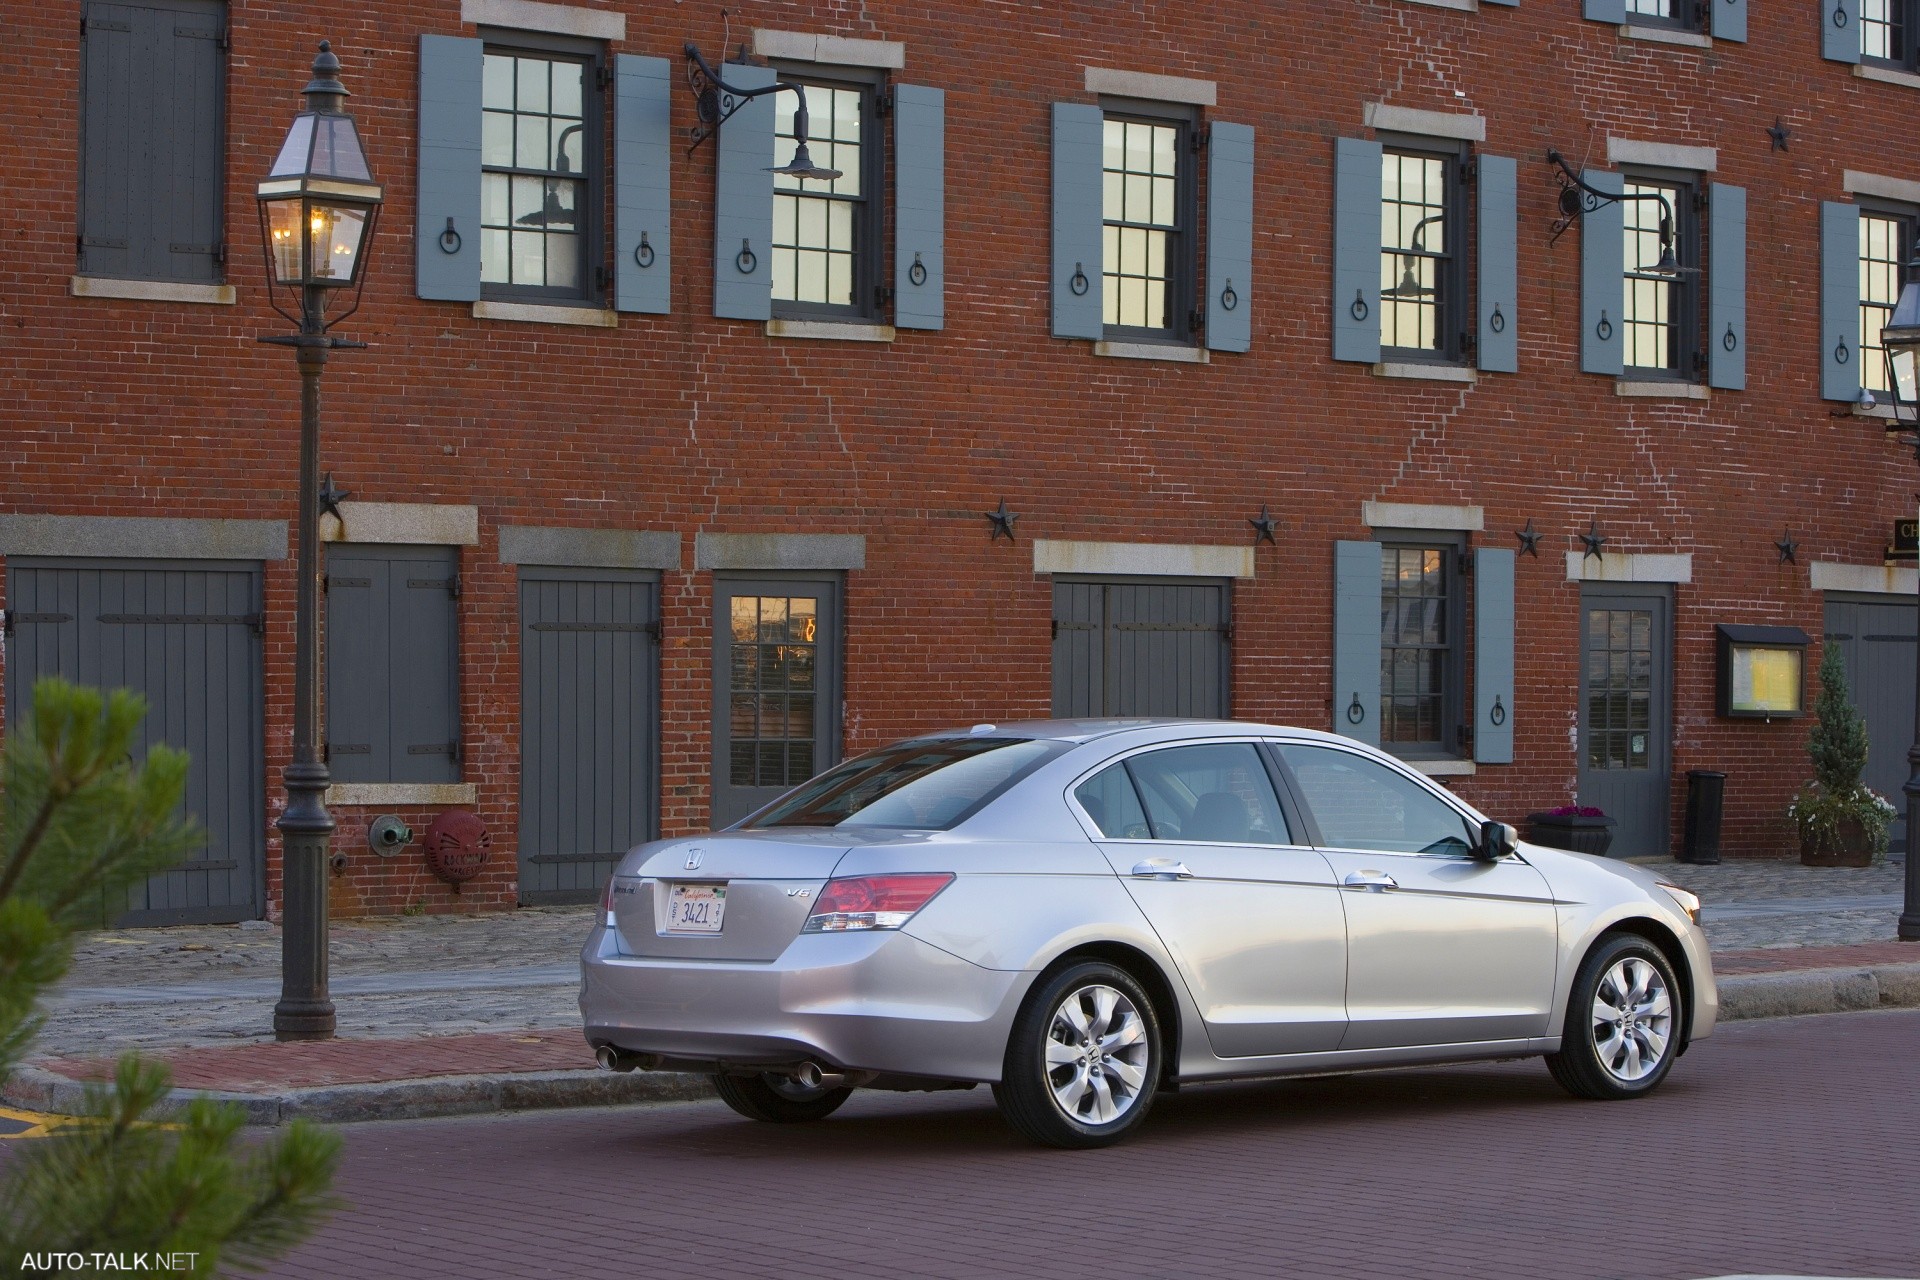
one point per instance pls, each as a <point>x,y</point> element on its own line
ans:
<point>696,908</point>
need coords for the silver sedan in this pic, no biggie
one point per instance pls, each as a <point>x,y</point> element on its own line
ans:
<point>1085,913</point>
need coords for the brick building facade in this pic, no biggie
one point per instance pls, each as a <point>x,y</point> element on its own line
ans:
<point>576,449</point>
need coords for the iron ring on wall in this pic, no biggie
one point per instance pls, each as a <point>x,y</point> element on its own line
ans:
<point>918,271</point>
<point>745,260</point>
<point>643,252</point>
<point>1604,329</point>
<point>1840,18</point>
<point>1355,712</point>
<point>1499,322</point>
<point>1840,352</point>
<point>1730,340</point>
<point>1228,298</point>
<point>1499,713</point>
<point>1359,311</point>
<point>1079,284</point>
<point>450,234</point>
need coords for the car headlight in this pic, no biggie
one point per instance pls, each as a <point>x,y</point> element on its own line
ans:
<point>1689,902</point>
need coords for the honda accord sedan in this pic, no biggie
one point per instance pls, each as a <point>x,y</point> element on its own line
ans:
<point>1083,914</point>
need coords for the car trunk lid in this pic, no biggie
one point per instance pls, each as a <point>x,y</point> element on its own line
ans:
<point>758,887</point>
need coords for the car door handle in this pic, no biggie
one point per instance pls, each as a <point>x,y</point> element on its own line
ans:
<point>1371,881</point>
<point>1162,869</point>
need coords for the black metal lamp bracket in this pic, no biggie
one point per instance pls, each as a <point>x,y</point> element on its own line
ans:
<point>715,100</point>
<point>1577,199</point>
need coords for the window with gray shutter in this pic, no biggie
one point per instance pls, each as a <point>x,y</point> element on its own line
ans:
<point>1840,30</point>
<point>1727,287</point>
<point>392,663</point>
<point>642,183</point>
<point>153,141</point>
<point>1840,361</point>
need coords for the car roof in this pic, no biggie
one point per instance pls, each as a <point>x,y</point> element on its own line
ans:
<point>1089,730</point>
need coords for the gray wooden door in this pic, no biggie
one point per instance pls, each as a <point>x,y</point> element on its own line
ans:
<point>1626,720</point>
<point>186,636</point>
<point>776,687</point>
<point>589,726</point>
<point>1140,647</point>
<point>1876,637</point>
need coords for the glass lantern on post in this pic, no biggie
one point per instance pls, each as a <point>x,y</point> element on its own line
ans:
<point>319,203</point>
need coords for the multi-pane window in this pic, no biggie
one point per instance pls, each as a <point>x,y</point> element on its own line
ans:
<point>1885,241</point>
<point>1665,13</point>
<point>1146,213</point>
<point>1421,271</point>
<point>1886,31</point>
<point>824,237</point>
<point>539,146</point>
<point>1619,688</point>
<point>771,700</point>
<point>1418,641</point>
<point>152,140</point>
<point>1659,317</point>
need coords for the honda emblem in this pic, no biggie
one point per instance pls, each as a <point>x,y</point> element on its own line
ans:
<point>693,858</point>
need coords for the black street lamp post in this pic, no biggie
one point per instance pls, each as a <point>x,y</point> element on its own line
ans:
<point>1901,341</point>
<point>318,209</point>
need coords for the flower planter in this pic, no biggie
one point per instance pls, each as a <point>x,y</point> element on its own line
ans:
<point>1851,845</point>
<point>1571,831</point>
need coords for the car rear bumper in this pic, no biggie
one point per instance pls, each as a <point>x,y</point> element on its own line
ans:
<point>879,1001</point>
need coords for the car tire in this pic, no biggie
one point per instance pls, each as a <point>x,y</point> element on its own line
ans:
<point>1083,1063</point>
<point>1624,1017</point>
<point>778,1100</point>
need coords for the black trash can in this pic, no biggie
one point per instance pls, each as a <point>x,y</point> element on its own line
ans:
<point>1706,793</point>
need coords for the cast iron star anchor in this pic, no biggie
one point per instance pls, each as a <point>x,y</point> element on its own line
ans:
<point>1002,520</point>
<point>1263,526</point>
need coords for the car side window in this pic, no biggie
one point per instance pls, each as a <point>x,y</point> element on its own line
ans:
<point>1363,804</point>
<point>1216,792</point>
<point>1113,804</point>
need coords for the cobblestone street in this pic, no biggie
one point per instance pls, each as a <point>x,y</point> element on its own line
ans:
<point>1756,1157</point>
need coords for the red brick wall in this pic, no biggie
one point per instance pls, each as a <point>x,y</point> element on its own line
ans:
<point>689,423</point>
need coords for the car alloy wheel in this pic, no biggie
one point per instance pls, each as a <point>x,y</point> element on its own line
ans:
<point>1632,1019</point>
<point>1625,1014</point>
<point>1083,1062</point>
<point>1096,1054</point>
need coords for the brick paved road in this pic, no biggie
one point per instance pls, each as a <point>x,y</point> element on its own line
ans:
<point>1781,1146</point>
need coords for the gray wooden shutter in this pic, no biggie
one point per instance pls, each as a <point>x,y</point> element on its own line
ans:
<point>1498,194</point>
<point>1230,237</point>
<point>1509,3</point>
<point>1493,655</point>
<point>446,234</point>
<point>1727,285</point>
<point>919,207</point>
<point>1840,374</point>
<point>1840,30</point>
<point>1729,19</point>
<point>1605,10</point>
<point>1356,255</point>
<point>153,147</point>
<point>642,184</point>
<point>1356,636</point>
<point>1603,288</point>
<point>743,203</point>
<point>358,675</point>
<point>1078,220</point>
<point>423,647</point>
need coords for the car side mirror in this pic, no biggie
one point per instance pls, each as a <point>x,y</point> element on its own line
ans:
<point>1497,840</point>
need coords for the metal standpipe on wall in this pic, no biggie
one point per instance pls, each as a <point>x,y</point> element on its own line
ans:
<point>1706,795</point>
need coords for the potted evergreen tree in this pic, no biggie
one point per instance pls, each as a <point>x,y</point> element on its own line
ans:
<point>1842,822</point>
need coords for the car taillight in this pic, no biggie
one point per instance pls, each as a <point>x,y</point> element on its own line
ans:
<point>873,902</point>
<point>606,903</point>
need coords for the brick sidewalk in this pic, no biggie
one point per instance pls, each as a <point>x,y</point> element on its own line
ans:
<point>271,1067</point>
<point>1784,959</point>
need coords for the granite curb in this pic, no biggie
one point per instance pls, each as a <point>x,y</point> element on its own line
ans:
<point>1742,997</point>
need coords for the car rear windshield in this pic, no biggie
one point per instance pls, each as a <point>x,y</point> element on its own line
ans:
<point>924,785</point>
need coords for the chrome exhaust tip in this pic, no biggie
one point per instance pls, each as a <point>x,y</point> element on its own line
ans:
<point>809,1075</point>
<point>611,1059</point>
